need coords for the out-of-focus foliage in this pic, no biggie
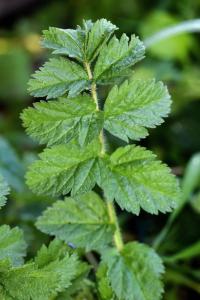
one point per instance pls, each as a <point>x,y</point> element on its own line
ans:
<point>177,47</point>
<point>175,61</point>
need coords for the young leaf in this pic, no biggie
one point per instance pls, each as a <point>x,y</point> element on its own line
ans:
<point>65,41</point>
<point>4,191</point>
<point>82,220</point>
<point>12,245</point>
<point>45,255</point>
<point>57,122</point>
<point>104,286</point>
<point>42,279</point>
<point>82,43</point>
<point>64,168</point>
<point>116,57</point>
<point>57,77</point>
<point>98,35</point>
<point>135,106</point>
<point>134,178</point>
<point>135,273</point>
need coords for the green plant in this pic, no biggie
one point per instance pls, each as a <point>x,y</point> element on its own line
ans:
<point>77,126</point>
<point>51,271</point>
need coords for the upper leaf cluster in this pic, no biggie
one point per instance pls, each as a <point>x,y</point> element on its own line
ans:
<point>71,124</point>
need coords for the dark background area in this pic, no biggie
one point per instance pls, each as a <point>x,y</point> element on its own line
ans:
<point>175,60</point>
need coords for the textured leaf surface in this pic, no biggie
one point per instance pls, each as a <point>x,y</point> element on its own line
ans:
<point>82,43</point>
<point>104,286</point>
<point>65,41</point>
<point>50,273</point>
<point>131,175</point>
<point>135,106</point>
<point>57,122</point>
<point>4,191</point>
<point>82,220</point>
<point>135,273</point>
<point>116,57</point>
<point>64,168</point>
<point>100,32</point>
<point>57,77</point>
<point>12,245</point>
<point>134,178</point>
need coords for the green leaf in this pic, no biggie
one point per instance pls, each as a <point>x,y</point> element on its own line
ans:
<point>104,287</point>
<point>98,35</point>
<point>58,122</point>
<point>135,106</point>
<point>4,191</point>
<point>41,280</point>
<point>64,168</point>
<point>45,255</point>
<point>79,285</point>
<point>83,44</point>
<point>116,57</point>
<point>57,77</point>
<point>65,41</point>
<point>135,273</point>
<point>195,202</point>
<point>82,220</point>
<point>131,175</point>
<point>10,166</point>
<point>12,245</point>
<point>134,178</point>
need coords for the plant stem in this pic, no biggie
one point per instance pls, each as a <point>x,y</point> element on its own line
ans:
<point>93,86</point>
<point>92,260</point>
<point>113,219</point>
<point>118,241</point>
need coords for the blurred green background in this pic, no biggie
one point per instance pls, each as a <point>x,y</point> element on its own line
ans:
<point>175,60</point>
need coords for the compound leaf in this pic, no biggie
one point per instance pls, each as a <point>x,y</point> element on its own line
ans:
<point>82,220</point>
<point>135,106</point>
<point>134,178</point>
<point>57,77</point>
<point>83,44</point>
<point>116,57</point>
<point>135,273</point>
<point>4,191</point>
<point>12,245</point>
<point>57,122</point>
<point>64,168</point>
<point>131,175</point>
<point>42,279</point>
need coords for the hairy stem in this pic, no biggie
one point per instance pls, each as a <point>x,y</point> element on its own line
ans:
<point>118,241</point>
<point>113,218</point>
<point>93,86</point>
